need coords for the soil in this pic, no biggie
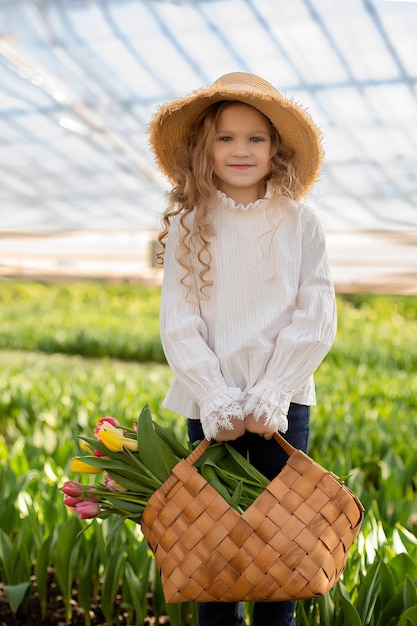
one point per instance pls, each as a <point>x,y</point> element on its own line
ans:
<point>29,613</point>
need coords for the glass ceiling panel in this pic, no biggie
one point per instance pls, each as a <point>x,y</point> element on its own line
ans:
<point>347,106</point>
<point>388,100</point>
<point>359,40</point>
<point>82,18</point>
<point>312,53</point>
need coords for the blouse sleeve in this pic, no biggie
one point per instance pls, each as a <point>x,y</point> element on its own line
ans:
<point>303,344</point>
<point>184,339</point>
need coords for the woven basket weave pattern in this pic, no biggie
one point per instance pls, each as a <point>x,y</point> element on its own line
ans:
<point>291,543</point>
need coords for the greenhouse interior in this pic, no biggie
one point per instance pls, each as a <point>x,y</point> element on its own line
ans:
<point>115,509</point>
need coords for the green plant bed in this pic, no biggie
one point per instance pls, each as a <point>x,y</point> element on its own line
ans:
<point>364,429</point>
<point>89,319</point>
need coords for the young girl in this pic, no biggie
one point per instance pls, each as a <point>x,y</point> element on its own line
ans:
<point>248,305</point>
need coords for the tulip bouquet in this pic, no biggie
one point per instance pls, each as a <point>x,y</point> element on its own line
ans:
<point>133,463</point>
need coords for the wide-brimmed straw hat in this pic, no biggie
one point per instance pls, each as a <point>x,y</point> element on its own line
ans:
<point>173,121</point>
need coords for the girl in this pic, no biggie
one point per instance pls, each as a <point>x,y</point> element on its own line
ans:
<point>248,307</point>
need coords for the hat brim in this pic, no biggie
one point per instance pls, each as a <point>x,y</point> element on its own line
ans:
<point>172,122</point>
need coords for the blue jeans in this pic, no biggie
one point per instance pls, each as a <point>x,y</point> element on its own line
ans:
<point>269,458</point>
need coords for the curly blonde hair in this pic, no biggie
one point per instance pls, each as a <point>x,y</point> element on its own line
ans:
<point>197,190</point>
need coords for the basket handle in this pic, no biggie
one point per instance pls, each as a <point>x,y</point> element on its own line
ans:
<point>198,452</point>
<point>285,445</point>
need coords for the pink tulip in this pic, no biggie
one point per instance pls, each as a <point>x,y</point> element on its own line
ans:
<point>72,502</point>
<point>73,488</point>
<point>87,509</point>
<point>92,495</point>
<point>111,484</point>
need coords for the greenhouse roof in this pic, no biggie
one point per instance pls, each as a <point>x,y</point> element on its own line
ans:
<point>80,79</point>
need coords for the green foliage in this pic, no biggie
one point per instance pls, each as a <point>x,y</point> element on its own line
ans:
<point>364,429</point>
<point>88,319</point>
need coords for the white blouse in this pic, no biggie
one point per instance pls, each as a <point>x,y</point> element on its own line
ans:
<point>265,324</point>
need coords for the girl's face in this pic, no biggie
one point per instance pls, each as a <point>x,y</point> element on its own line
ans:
<point>242,153</point>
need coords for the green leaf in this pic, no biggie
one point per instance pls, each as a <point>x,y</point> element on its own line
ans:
<point>209,473</point>
<point>44,557</point>
<point>351,616</point>
<point>409,618</point>
<point>182,613</point>
<point>403,565</point>
<point>237,495</point>
<point>410,593</point>
<point>303,618</point>
<point>138,473</point>
<point>214,453</point>
<point>387,581</point>
<point>16,594</point>
<point>66,555</point>
<point>180,451</point>
<point>90,572</point>
<point>153,451</point>
<point>137,582</point>
<point>6,558</point>
<point>368,593</point>
<point>112,579</point>
<point>247,469</point>
<point>115,528</point>
<point>326,606</point>
<point>393,608</point>
<point>159,604</point>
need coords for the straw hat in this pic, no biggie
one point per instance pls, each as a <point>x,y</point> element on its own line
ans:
<point>169,127</point>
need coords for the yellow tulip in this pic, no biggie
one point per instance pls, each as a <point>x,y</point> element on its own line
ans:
<point>114,440</point>
<point>77,465</point>
<point>130,444</point>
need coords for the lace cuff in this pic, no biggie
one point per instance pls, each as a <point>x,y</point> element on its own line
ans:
<point>221,419</point>
<point>270,403</point>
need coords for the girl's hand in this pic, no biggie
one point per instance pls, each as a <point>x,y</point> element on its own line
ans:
<point>230,435</point>
<point>258,426</point>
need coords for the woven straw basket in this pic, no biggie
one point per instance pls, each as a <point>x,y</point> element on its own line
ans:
<point>291,543</point>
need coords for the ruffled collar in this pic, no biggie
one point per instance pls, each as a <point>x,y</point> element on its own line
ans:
<point>227,203</point>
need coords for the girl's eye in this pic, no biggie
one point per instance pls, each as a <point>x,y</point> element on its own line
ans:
<point>256,139</point>
<point>224,138</point>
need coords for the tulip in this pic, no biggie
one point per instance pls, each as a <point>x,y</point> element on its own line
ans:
<point>105,420</point>
<point>111,440</point>
<point>87,509</point>
<point>73,488</point>
<point>114,440</point>
<point>92,494</point>
<point>111,484</point>
<point>88,448</point>
<point>77,465</point>
<point>72,502</point>
<point>98,454</point>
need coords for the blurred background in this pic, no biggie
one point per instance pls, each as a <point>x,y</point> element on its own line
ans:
<point>79,80</point>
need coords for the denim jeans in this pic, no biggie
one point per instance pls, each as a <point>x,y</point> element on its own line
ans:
<point>269,458</point>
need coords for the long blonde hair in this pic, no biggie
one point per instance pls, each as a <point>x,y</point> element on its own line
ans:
<point>197,189</point>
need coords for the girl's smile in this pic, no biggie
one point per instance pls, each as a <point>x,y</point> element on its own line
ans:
<point>242,153</point>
